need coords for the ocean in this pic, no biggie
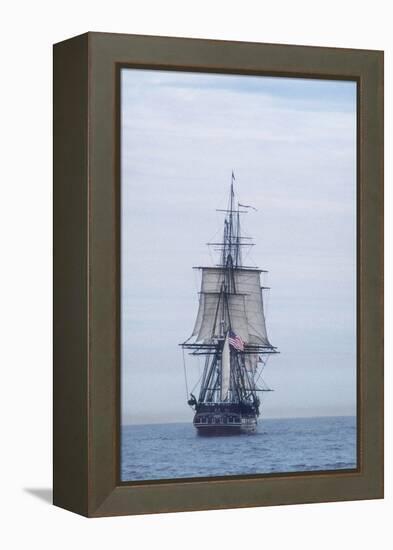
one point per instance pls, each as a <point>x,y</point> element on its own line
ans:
<point>172,451</point>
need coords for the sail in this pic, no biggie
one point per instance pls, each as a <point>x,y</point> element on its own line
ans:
<point>247,282</point>
<point>212,279</point>
<point>242,312</point>
<point>238,317</point>
<point>230,303</point>
<point>207,326</point>
<point>225,370</point>
<point>217,314</point>
<point>211,283</point>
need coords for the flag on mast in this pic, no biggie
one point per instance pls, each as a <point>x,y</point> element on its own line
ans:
<point>247,206</point>
<point>235,341</point>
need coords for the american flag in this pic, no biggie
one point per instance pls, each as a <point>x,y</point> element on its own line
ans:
<point>235,341</point>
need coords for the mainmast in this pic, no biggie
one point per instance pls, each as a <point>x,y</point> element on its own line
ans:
<point>231,256</point>
<point>230,236</point>
<point>230,328</point>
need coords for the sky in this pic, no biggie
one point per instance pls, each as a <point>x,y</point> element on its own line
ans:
<point>292,146</point>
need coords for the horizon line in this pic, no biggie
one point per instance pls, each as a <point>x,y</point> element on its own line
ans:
<point>265,418</point>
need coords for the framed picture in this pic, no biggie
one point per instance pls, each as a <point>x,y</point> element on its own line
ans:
<point>218,274</point>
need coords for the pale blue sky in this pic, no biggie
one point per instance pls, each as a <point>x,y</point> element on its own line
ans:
<point>292,145</point>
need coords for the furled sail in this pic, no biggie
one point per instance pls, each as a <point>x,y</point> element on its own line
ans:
<point>225,369</point>
<point>242,311</point>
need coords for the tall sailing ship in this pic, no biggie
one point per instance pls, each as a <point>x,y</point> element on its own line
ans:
<point>230,331</point>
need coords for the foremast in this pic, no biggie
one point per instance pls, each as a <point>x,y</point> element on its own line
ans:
<point>230,329</point>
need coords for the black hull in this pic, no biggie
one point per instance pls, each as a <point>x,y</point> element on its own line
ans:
<point>213,431</point>
<point>224,421</point>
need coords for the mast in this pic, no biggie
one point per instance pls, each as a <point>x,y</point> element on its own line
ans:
<point>225,369</point>
<point>231,219</point>
<point>230,328</point>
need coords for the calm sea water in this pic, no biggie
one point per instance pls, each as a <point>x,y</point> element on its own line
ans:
<point>167,451</point>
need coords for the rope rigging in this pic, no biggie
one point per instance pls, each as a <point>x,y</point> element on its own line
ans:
<point>230,331</point>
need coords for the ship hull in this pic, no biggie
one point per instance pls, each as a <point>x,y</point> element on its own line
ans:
<point>224,423</point>
<point>206,431</point>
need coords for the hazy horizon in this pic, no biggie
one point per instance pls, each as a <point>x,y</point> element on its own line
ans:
<point>262,418</point>
<point>292,146</point>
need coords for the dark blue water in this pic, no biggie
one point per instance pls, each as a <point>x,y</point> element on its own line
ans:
<point>167,451</point>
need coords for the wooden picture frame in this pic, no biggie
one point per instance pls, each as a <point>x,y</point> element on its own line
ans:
<point>86,274</point>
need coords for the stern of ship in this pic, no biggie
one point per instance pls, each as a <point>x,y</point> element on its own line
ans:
<point>218,420</point>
